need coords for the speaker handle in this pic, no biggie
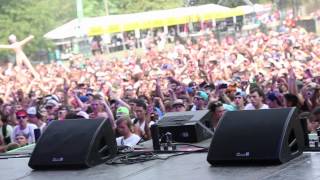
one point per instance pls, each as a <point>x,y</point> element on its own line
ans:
<point>104,149</point>
<point>292,143</point>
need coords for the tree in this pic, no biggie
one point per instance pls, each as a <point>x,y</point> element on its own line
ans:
<point>97,8</point>
<point>93,8</point>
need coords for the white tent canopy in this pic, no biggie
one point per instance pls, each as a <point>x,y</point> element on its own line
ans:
<point>256,8</point>
<point>125,22</point>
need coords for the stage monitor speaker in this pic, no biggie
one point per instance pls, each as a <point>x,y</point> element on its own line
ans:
<point>189,126</point>
<point>78,143</point>
<point>257,136</point>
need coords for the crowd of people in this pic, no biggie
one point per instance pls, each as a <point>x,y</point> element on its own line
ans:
<point>258,71</point>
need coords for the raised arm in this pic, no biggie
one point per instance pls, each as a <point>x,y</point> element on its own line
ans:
<point>110,114</point>
<point>158,89</point>
<point>23,42</point>
<point>4,46</point>
<point>293,88</point>
<point>118,99</point>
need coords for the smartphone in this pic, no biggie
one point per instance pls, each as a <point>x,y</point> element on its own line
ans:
<point>244,83</point>
<point>223,86</point>
<point>170,79</point>
<point>203,84</point>
<point>37,134</point>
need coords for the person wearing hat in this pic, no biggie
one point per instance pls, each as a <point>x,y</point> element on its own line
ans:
<point>35,118</point>
<point>129,92</point>
<point>178,106</point>
<point>239,100</point>
<point>51,106</point>
<point>122,112</point>
<point>200,101</point>
<point>23,127</point>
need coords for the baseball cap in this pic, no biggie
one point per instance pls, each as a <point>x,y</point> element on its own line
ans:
<point>21,113</point>
<point>83,98</point>
<point>32,110</point>
<point>129,88</point>
<point>178,102</point>
<point>202,95</point>
<point>240,93</point>
<point>52,102</point>
<point>122,111</point>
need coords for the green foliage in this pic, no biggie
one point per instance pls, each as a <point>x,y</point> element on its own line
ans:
<point>97,7</point>
<point>131,6</point>
<point>93,8</point>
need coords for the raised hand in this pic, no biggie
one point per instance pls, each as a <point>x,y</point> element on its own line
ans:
<point>292,74</point>
<point>66,87</point>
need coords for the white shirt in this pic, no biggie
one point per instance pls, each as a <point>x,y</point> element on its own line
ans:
<point>141,126</point>
<point>130,141</point>
<point>28,132</point>
<point>251,107</point>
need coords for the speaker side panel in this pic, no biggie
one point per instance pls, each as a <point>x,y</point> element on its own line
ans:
<point>103,146</point>
<point>293,139</point>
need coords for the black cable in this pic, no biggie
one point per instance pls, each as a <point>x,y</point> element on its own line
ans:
<point>176,154</point>
<point>133,158</point>
<point>187,144</point>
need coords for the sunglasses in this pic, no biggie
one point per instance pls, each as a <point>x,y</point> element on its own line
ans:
<point>198,98</point>
<point>21,117</point>
<point>49,107</point>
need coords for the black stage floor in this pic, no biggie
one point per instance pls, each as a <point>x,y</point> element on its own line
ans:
<point>184,167</point>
